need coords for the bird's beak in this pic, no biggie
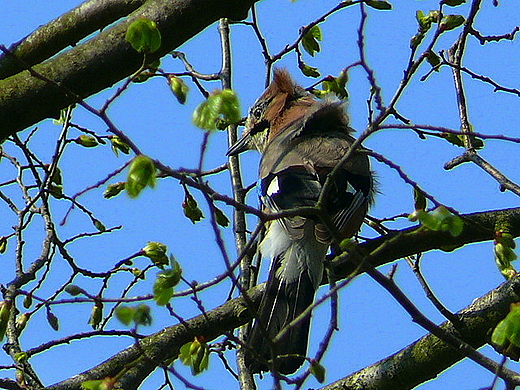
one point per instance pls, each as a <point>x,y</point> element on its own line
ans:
<point>240,146</point>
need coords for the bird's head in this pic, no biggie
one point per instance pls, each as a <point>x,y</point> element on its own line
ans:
<point>281,102</point>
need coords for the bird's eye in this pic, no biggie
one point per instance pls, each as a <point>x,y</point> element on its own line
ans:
<point>257,112</point>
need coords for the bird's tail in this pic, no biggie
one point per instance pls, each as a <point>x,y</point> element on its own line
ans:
<point>296,270</point>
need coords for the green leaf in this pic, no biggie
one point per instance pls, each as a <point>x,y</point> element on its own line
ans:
<point>379,4</point>
<point>27,301</point>
<point>420,202</point>
<point>335,86</point>
<point>94,384</point>
<point>318,371</point>
<point>309,71</point>
<point>416,40</point>
<point>165,282</point>
<point>108,383</point>
<point>185,353</point>
<point>221,218</point>
<point>310,40</point>
<point>162,295</point>
<point>99,225</point>
<point>508,330</point>
<point>3,244</point>
<point>439,219</point>
<point>453,3</point>
<point>142,315</point>
<point>114,189</point>
<point>179,88</point>
<point>56,191</point>
<point>144,36</point>
<point>450,22</point>
<point>456,225</point>
<point>220,105</point>
<point>433,59</point>
<point>191,209</point>
<point>5,309</point>
<point>196,355</point>
<point>453,139</point>
<point>21,321</point>
<point>157,252</point>
<point>125,314</point>
<point>505,253</point>
<point>62,118</point>
<point>52,320</point>
<point>140,174</point>
<point>56,177</point>
<point>118,145</point>
<point>87,141</point>
<point>21,357</point>
<point>96,315</point>
<point>230,106</point>
<point>200,361</point>
<point>74,290</point>
<point>458,140</point>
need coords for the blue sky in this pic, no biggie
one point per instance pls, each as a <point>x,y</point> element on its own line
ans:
<point>372,325</point>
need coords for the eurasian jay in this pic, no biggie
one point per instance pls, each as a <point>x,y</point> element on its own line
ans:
<point>301,140</point>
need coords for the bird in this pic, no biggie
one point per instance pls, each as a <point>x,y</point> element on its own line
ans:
<point>301,139</point>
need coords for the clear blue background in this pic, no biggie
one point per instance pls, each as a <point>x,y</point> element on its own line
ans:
<point>372,324</point>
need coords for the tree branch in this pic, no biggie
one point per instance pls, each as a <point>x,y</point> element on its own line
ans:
<point>478,318</point>
<point>427,357</point>
<point>104,60</point>
<point>66,30</point>
<point>478,227</point>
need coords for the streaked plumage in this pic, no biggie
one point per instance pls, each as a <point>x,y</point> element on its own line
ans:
<point>301,140</point>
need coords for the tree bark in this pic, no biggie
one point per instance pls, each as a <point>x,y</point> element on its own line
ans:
<point>103,60</point>
<point>429,356</point>
<point>426,358</point>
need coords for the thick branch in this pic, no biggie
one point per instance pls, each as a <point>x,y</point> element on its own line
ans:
<point>166,344</point>
<point>66,30</point>
<point>478,227</point>
<point>492,307</point>
<point>104,60</point>
<point>429,356</point>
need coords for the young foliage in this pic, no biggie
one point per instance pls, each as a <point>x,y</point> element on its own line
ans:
<point>191,209</point>
<point>96,315</point>
<point>165,282</point>
<point>453,3</point>
<point>3,244</point>
<point>87,141</point>
<point>335,85</point>
<point>221,218</point>
<point>140,174</point>
<point>144,36</point>
<point>379,4</point>
<point>179,88</point>
<point>5,308</point>
<point>118,145</point>
<point>220,105</point>
<point>140,315</point>
<point>505,253</point>
<point>114,189</point>
<point>52,320</point>
<point>310,40</point>
<point>195,354</point>
<point>450,22</point>
<point>157,252</point>
<point>506,335</point>
<point>318,371</point>
<point>308,70</point>
<point>439,219</point>
<point>107,383</point>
